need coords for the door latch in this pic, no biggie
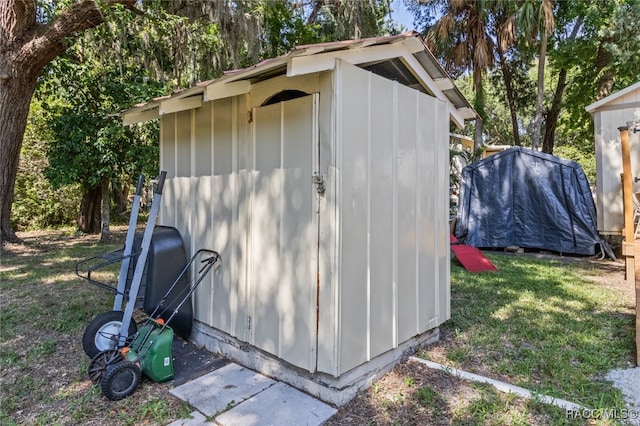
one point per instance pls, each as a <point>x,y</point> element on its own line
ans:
<point>318,180</point>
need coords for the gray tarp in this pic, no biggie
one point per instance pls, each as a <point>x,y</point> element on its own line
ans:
<point>525,198</point>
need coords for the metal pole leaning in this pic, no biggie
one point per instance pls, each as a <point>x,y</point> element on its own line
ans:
<point>128,247</point>
<point>142,261</point>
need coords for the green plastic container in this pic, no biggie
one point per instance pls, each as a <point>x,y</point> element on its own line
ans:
<point>156,361</point>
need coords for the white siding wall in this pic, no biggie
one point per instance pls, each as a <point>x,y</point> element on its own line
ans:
<point>388,189</point>
<point>205,199</point>
<point>607,120</point>
<point>213,196</point>
<point>383,264</point>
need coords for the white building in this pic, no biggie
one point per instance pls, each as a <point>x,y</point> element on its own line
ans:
<point>322,178</point>
<point>609,114</point>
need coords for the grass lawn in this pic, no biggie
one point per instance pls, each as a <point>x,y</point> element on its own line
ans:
<point>554,327</point>
<point>44,308</point>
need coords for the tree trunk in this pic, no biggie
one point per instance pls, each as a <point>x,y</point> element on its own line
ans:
<point>120,197</point>
<point>506,75</point>
<point>537,122</point>
<point>477,136</point>
<point>551,120</point>
<point>15,96</point>
<point>479,104</point>
<point>89,217</point>
<point>105,232</point>
<point>603,58</point>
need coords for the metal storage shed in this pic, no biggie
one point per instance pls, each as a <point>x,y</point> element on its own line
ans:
<point>610,113</point>
<point>322,178</point>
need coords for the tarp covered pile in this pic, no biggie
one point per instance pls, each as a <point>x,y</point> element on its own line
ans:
<point>520,197</point>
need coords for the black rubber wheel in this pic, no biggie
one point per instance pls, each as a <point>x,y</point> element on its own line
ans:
<point>120,380</point>
<point>102,333</point>
<point>100,362</point>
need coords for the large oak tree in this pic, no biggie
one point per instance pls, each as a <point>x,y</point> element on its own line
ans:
<point>26,47</point>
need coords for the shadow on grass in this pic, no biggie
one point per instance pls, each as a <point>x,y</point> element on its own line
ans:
<point>541,325</point>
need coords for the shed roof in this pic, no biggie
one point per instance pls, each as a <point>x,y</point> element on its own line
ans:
<point>403,57</point>
<point>612,98</point>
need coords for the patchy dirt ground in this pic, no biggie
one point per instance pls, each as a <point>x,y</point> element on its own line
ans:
<point>412,394</point>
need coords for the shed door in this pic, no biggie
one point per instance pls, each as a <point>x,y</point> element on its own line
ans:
<point>284,231</point>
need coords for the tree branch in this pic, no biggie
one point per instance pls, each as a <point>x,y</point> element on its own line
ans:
<point>314,13</point>
<point>46,41</point>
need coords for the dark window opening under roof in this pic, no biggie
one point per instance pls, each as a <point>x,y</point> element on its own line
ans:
<point>394,69</point>
<point>285,95</point>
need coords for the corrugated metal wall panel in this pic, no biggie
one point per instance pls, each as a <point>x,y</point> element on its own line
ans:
<point>353,206</point>
<point>167,215</point>
<point>183,143</point>
<point>201,206</point>
<point>203,229</point>
<point>202,144</point>
<point>222,209</point>
<point>183,206</point>
<point>428,204</point>
<point>383,262</point>
<point>223,138</point>
<point>328,334</point>
<point>600,164</point>
<point>387,208</point>
<point>382,329</point>
<point>298,235</point>
<point>441,224</point>
<point>239,256</point>
<point>284,232</point>
<point>265,229</point>
<point>168,144</point>
<point>405,198</point>
<point>168,164</point>
<point>202,200</point>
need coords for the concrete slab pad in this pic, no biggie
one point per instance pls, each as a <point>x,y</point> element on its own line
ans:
<point>221,389</point>
<point>197,419</point>
<point>279,405</point>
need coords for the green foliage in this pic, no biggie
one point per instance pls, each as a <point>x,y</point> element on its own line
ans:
<point>286,27</point>
<point>602,55</point>
<point>36,203</point>
<point>609,27</point>
<point>82,93</point>
<point>427,396</point>
<point>89,143</point>
<point>586,158</point>
<point>133,57</point>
